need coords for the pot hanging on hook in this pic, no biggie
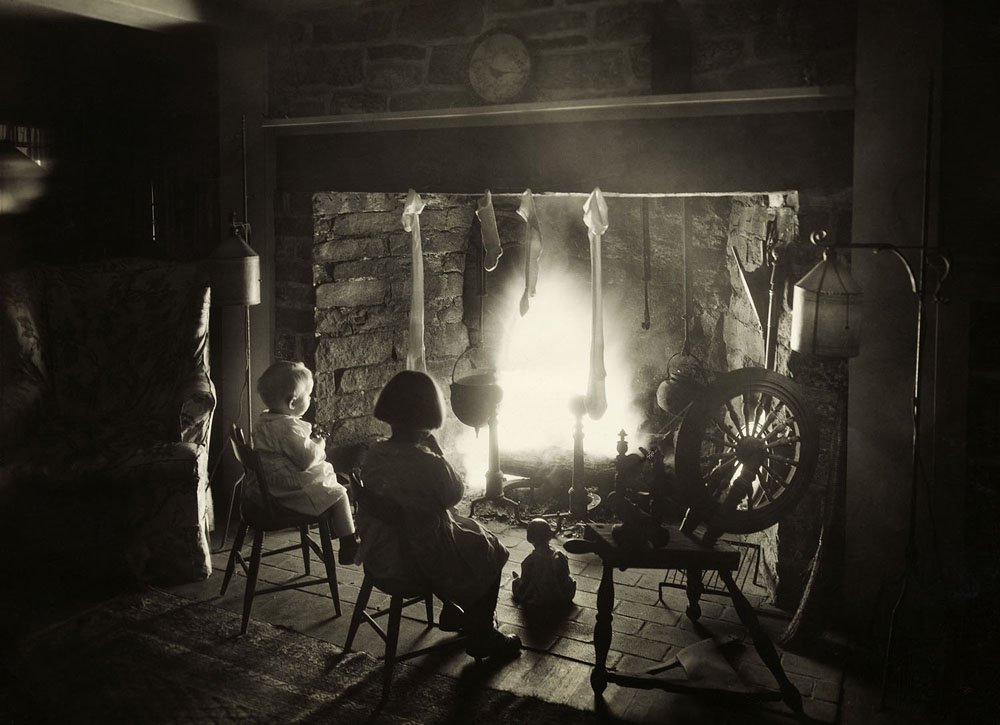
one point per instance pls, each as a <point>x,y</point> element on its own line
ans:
<point>686,373</point>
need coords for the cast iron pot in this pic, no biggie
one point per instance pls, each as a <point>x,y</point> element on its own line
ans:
<point>475,396</point>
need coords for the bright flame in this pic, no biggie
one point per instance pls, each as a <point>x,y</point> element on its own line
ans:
<point>544,364</point>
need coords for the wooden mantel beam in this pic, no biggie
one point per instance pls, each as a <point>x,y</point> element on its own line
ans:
<point>142,14</point>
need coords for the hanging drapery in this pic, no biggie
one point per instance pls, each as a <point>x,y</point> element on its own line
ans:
<point>532,247</point>
<point>411,223</point>
<point>488,227</point>
<point>595,216</point>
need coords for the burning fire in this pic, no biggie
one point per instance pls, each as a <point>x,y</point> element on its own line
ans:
<point>544,364</point>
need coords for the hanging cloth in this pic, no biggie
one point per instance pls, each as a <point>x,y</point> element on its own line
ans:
<point>532,247</point>
<point>491,237</point>
<point>411,223</point>
<point>595,216</point>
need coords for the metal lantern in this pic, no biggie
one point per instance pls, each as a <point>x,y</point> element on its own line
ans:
<point>235,273</point>
<point>826,310</point>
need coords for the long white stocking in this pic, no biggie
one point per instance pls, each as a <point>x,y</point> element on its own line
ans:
<point>595,216</point>
<point>532,247</point>
<point>491,237</point>
<point>411,223</point>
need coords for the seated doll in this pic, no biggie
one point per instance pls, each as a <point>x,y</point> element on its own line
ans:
<point>545,584</point>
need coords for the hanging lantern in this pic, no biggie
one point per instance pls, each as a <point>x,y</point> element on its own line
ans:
<point>235,272</point>
<point>826,310</point>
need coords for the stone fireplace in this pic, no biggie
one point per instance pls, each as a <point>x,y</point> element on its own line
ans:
<point>360,257</point>
<point>361,268</point>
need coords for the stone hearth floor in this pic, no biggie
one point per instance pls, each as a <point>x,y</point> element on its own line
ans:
<point>555,665</point>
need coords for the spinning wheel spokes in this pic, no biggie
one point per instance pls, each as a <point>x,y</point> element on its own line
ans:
<point>754,419</point>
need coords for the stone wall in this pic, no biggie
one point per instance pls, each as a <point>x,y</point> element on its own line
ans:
<point>397,55</point>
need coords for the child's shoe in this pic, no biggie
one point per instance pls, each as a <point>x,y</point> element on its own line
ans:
<point>495,646</point>
<point>350,550</point>
<point>452,618</point>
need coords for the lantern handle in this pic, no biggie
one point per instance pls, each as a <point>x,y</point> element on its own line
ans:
<point>939,258</point>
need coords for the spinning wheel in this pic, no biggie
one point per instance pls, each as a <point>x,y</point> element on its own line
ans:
<point>746,451</point>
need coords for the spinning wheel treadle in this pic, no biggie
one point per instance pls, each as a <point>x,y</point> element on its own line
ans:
<point>746,418</point>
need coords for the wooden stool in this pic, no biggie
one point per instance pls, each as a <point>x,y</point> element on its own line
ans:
<point>397,602</point>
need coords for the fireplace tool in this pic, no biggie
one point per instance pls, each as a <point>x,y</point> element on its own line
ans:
<point>475,399</point>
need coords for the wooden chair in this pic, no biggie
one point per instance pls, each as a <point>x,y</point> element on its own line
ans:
<point>398,599</point>
<point>268,518</point>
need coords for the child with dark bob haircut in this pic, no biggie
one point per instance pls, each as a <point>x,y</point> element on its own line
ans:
<point>429,543</point>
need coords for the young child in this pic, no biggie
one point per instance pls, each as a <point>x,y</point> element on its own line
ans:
<point>298,475</point>
<point>545,584</point>
<point>428,543</point>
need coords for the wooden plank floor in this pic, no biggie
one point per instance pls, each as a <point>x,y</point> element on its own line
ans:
<point>555,665</point>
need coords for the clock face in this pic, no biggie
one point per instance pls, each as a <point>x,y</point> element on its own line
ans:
<point>499,67</point>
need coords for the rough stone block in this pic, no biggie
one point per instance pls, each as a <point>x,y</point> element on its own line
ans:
<point>558,41</point>
<point>356,430</point>
<point>357,269</point>
<point>322,273</point>
<point>448,340</point>
<point>367,223</point>
<point>584,70</point>
<point>348,102</point>
<point>622,22</point>
<point>429,99</point>
<point>294,320</point>
<point>716,52</point>
<point>394,75</point>
<point>546,23</point>
<point>328,204</point>
<point>449,64</point>
<point>512,6</point>
<point>351,293</point>
<point>716,17</point>
<point>454,262</point>
<point>639,62</point>
<point>353,351</point>
<point>369,377</point>
<point>345,405</point>
<point>435,242</point>
<point>396,52</point>
<point>455,218</point>
<point>329,66</point>
<point>293,225</point>
<point>439,20</point>
<point>351,25</point>
<point>346,250</point>
<point>294,295</point>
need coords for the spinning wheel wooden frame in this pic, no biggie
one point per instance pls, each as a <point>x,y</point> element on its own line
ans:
<point>749,420</point>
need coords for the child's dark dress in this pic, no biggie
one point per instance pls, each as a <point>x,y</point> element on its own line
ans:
<point>457,557</point>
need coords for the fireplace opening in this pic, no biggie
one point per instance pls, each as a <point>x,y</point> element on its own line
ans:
<point>362,277</point>
<point>656,247</point>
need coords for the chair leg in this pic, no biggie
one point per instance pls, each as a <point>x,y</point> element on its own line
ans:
<point>429,604</point>
<point>304,539</point>
<point>241,534</point>
<point>391,640</point>
<point>359,612</point>
<point>331,563</point>
<point>258,544</point>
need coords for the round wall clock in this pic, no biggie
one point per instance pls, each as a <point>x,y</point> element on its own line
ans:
<point>499,66</point>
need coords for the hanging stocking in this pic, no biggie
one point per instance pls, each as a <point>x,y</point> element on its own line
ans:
<point>595,216</point>
<point>532,247</point>
<point>491,237</point>
<point>411,223</point>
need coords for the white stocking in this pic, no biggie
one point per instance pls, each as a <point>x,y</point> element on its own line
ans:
<point>595,216</point>
<point>411,223</point>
